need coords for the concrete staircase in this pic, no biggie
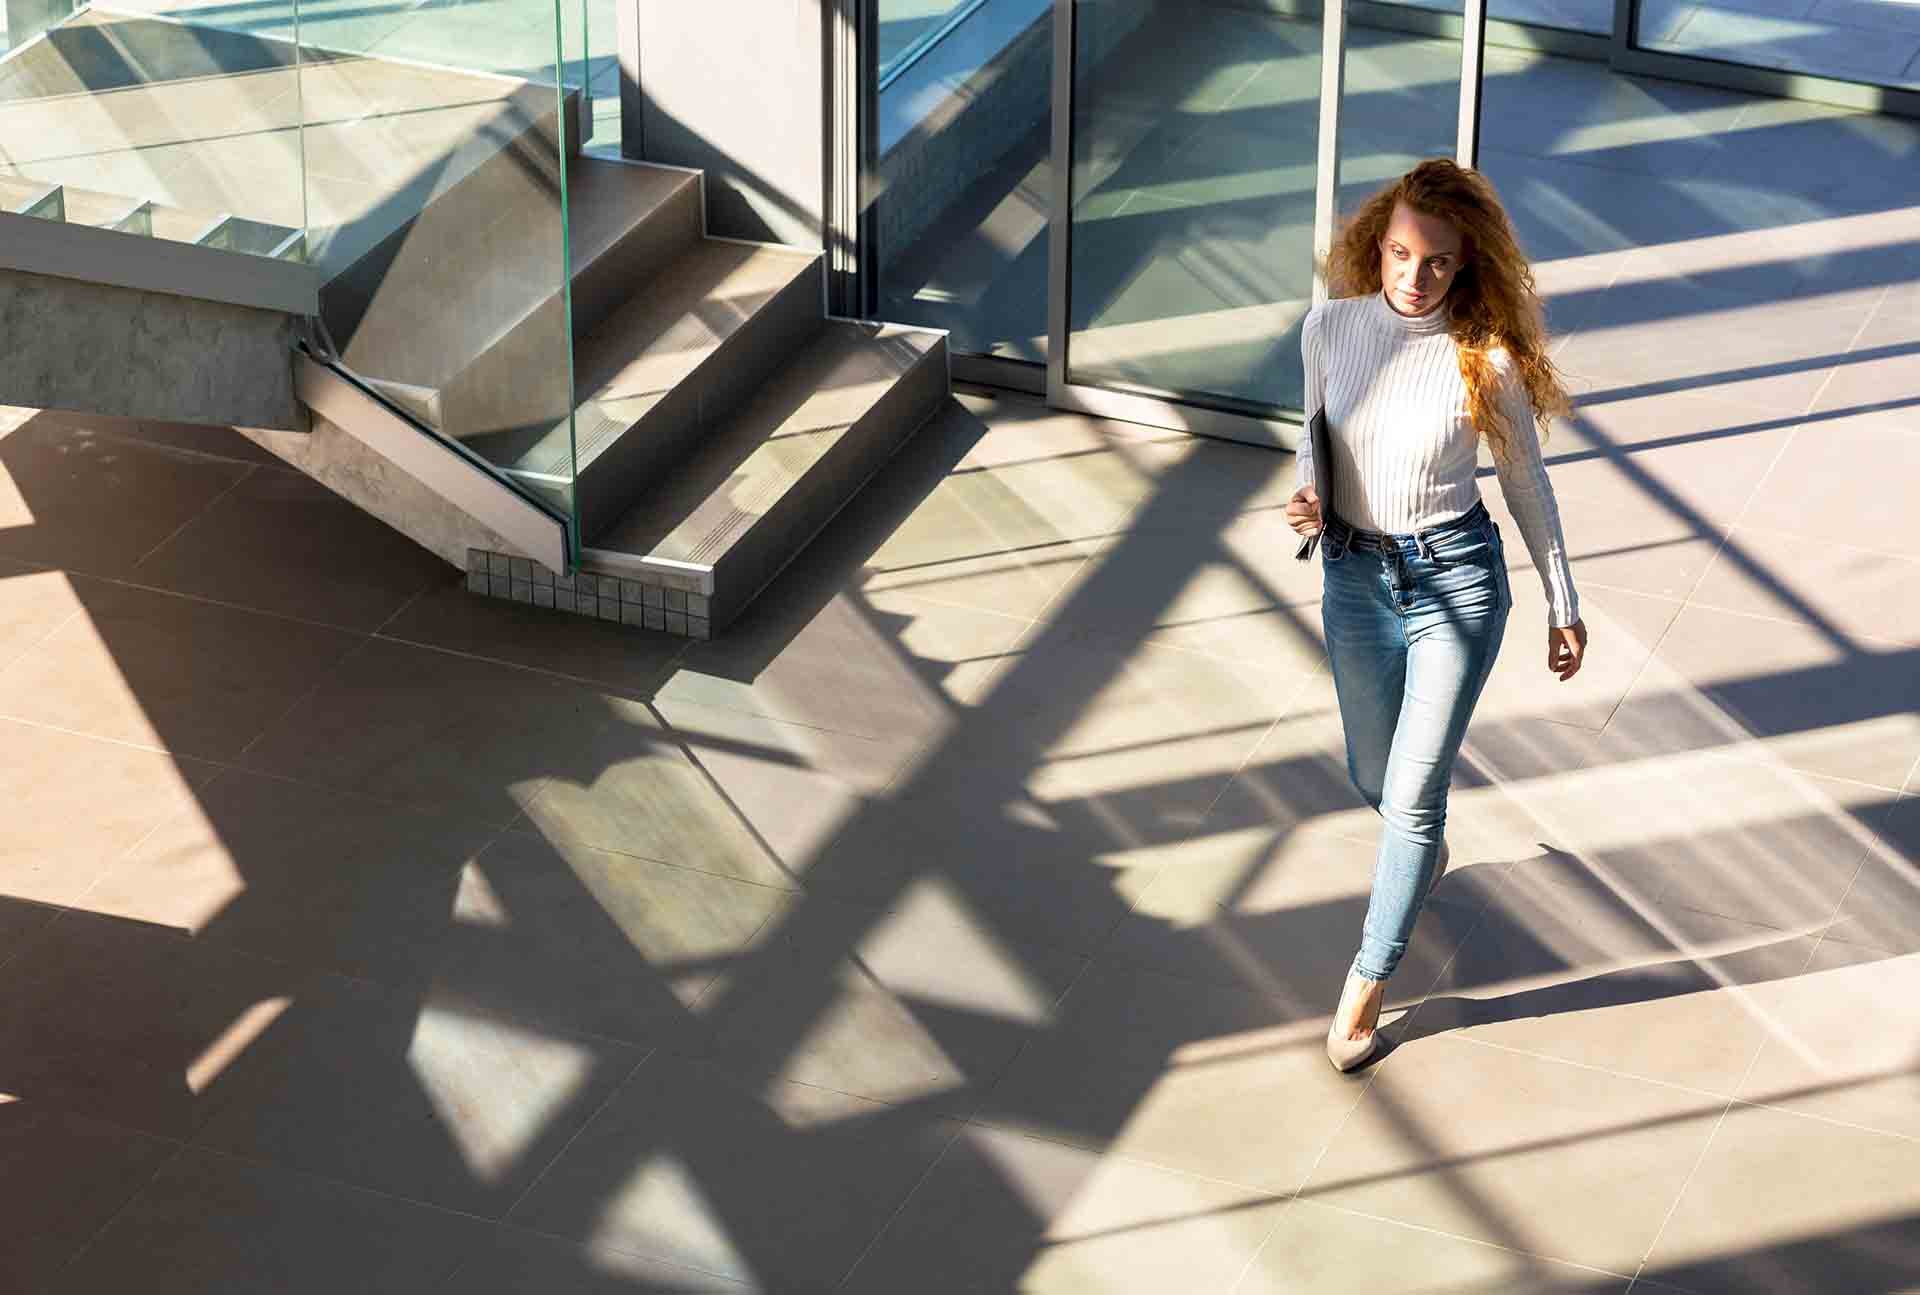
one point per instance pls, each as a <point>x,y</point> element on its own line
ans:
<point>719,417</point>
<point>721,420</point>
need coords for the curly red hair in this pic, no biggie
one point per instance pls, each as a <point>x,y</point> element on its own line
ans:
<point>1493,302</point>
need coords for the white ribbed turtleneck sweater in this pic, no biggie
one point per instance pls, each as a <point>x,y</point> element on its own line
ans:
<point>1405,452</point>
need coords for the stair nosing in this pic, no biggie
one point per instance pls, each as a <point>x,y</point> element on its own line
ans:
<point>933,338</point>
<point>806,263</point>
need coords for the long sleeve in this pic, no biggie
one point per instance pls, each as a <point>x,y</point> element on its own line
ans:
<point>1529,495</point>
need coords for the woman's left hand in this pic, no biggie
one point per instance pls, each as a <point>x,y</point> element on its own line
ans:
<point>1566,646</point>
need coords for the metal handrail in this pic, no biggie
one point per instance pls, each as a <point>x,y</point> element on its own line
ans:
<point>924,44</point>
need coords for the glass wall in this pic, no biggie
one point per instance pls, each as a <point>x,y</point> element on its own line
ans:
<point>959,194</point>
<point>1195,136</point>
<point>1401,105</point>
<point>1592,16</point>
<point>1872,41</point>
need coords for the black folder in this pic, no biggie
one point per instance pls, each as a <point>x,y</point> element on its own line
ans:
<point>1322,450</point>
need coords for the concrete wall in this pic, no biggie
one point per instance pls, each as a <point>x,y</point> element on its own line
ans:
<point>737,89</point>
<point>95,348</point>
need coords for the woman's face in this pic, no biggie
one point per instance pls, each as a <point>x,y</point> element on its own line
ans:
<point>1419,257</point>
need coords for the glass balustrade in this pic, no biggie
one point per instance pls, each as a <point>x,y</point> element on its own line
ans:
<point>414,155</point>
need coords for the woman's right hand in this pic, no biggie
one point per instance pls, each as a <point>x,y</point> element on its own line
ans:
<point>1303,511</point>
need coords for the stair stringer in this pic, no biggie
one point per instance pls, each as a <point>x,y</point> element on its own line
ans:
<point>413,480</point>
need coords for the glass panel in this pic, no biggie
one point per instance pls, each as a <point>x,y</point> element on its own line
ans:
<point>436,192</point>
<point>1402,105</point>
<point>1875,41</point>
<point>1195,139</point>
<point>22,20</point>
<point>961,191</point>
<point>156,126</point>
<point>1595,16</point>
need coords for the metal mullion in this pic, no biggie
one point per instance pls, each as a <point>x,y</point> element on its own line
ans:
<point>1060,218</point>
<point>1326,184</point>
<point>1626,18</point>
<point>1473,52</point>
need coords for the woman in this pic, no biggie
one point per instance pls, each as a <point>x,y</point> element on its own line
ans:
<point>1434,344</point>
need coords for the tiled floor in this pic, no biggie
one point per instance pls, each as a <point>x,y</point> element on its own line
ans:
<point>968,917</point>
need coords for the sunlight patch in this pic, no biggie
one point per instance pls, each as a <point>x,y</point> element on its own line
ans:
<point>935,949</point>
<point>662,1211</point>
<point>233,1041</point>
<point>495,1086</point>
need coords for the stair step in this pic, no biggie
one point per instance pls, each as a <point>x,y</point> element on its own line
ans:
<point>764,482</point>
<point>496,379</point>
<point>661,335</point>
<point>627,222</point>
<point>675,358</point>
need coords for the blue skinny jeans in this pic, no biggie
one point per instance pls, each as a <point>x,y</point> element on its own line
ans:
<point>1413,624</point>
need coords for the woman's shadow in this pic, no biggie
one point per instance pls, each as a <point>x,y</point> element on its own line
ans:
<point>1556,912</point>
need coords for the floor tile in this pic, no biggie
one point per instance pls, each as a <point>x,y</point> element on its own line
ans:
<point>923,1002</point>
<point>212,1223</point>
<point>414,726</point>
<point>1006,1212</point>
<point>1751,356</point>
<point>1882,911</point>
<point>1819,144</point>
<point>1314,1249</point>
<point>1194,589</point>
<point>793,785</point>
<point>1281,914</point>
<point>1518,1150</point>
<point>1814,697</point>
<point>300,874</point>
<point>1702,467</point>
<point>1622,631</point>
<point>186,676</point>
<point>1562,965</point>
<point>628,660</point>
<point>130,1022</point>
<point>281,542</point>
<point>78,804</point>
<point>1228,1083</point>
<point>1077,700</point>
<point>1297,773</point>
<point>1818,1060</point>
<point>1881,368</point>
<point>1850,588</point>
<point>33,604</point>
<point>93,503</point>
<point>1747,840</point>
<point>627,785</point>
<point>1056,873</point>
<point>954,518</point>
<point>784,1185</point>
<point>883,666</point>
<point>1782,1203</point>
<point>422,1096</point>
<point>63,1178</point>
<point>1635,541</point>
<point>1819,490</point>
<point>198,438</point>
<point>547,932</point>
<point>511,1262</point>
